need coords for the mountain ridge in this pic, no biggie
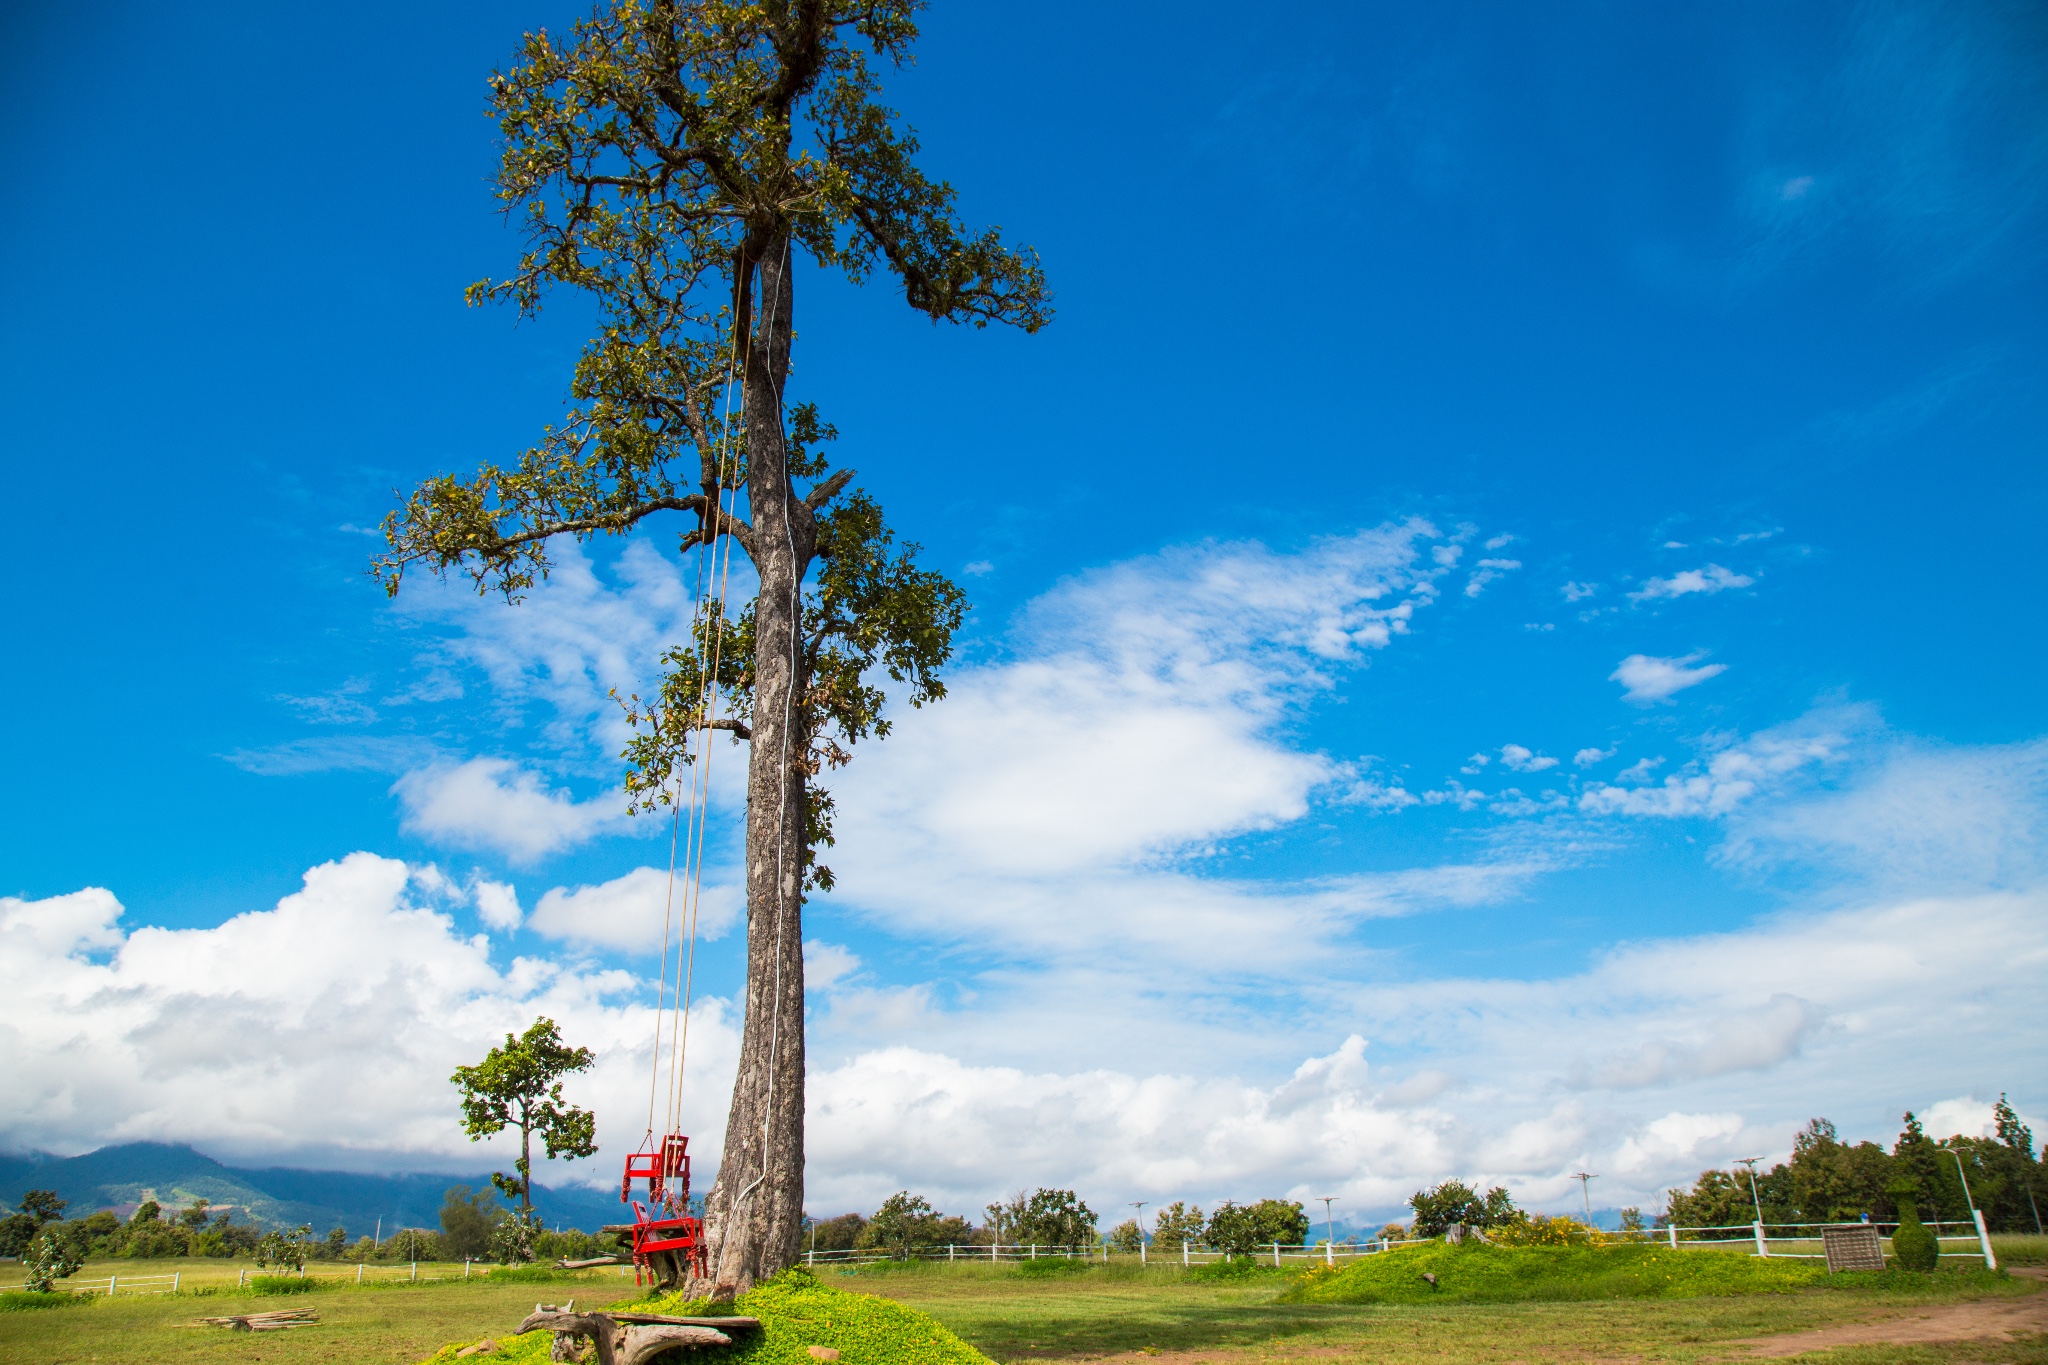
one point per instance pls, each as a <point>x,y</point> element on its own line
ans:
<point>174,1174</point>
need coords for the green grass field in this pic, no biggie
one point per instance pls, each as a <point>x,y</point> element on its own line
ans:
<point>1013,1316</point>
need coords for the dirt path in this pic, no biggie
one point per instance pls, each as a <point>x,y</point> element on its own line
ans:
<point>1984,1318</point>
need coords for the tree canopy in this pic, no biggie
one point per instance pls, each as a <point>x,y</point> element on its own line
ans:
<point>520,1085</point>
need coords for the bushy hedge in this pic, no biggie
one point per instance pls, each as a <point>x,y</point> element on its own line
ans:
<point>1497,1274</point>
<point>796,1313</point>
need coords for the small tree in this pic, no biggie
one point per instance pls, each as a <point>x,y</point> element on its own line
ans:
<point>1913,1242</point>
<point>1454,1201</point>
<point>50,1259</point>
<point>520,1084</point>
<point>45,1207</point>
<point>284,1248</point>
<point>512,1241</point>
<point>1127,1237</point>
<point>1178,1224</point>
<point>1054,1218</point>
<point>904,1223</point>
<point>1232,1230</point>
<point>468,1220</point>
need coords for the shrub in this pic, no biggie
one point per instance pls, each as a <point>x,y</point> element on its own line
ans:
<point>281,1284</point>
<point>1914,1243</point>
<point>1538,1230</point>
<point>1232,1268</point>
<point>50,1259</point>
<point>1476,1273</point>
<point>23,1300</point>
<point>1042,1266</point>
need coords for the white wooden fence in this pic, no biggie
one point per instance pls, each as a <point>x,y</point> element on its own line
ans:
<point>1774,1239</point>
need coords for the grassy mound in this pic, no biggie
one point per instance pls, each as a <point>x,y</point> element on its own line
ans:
<point>21,1300</point>
<point>796,1312</point>
<point>1475,1273</point>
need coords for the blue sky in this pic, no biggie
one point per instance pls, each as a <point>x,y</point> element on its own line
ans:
<point>1647,405</point>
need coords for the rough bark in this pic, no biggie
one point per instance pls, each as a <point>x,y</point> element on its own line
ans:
<point>753,1216</point>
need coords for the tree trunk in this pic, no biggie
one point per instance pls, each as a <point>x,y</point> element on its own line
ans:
<point>525,1163</point>
<point>754,1213</point>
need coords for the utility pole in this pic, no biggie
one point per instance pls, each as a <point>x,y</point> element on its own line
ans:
<point>1586,1179</point>
<point>1330,1226</point>
<point>1139,1205</point>
<point>1762,1247</point>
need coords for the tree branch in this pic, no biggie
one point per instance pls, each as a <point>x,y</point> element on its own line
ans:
<point>828,490</point>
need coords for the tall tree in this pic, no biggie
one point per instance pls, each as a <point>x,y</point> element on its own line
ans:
<point>671,158</point>
<point>520,1085</point>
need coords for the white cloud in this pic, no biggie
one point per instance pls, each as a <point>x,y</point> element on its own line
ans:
<point>827,964</point>
<point>1579,592</point>
<point>1710,579</point>
<point>977,568</point>
<point>1729,776</point>
<point>493,803</point>
<point>632,912</point>
<point>497,905</point>
<point>1522,760</point>
<point>1486,571</point>
<point>320,1031</point>
<point>1501,543</point>
<point>1585,758</point>
<point>1646,678</point>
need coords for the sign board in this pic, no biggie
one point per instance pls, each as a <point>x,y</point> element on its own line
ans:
<point>1857,1248</point>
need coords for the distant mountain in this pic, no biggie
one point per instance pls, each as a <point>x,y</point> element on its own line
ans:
<point>121,1177</point>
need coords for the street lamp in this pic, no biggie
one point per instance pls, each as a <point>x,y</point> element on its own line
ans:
<point>1139,1205</point>
<point>1329,1223</point>
<point>1762,1247</point>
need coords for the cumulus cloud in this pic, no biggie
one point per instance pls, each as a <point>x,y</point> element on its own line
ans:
<point>497,905</point>
<point>1522,760</point>
<point>633,912</point>
<point>1711,578</point>
<point>322,1030</point>
<point>827,964</point>
<point>1645,678</point>
<point>494,803</point>
<point>1586,758</point>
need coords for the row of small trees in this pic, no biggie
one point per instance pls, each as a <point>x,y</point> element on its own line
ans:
<point>906,1223</point>
<point>1828,1180</point>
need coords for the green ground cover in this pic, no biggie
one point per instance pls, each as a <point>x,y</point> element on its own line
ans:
<point>1008,1315</point>
<point>1477,1273</point>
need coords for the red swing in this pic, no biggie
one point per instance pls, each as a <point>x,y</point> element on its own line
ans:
<point>669,1244</point>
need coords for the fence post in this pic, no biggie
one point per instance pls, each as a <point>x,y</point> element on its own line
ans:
<point>1984,1240</point>
<point>110,1285</point>
<point>415,1272</point>
<point>359,1272</point>
<point>241,1277</point>
<point>1276,1255</point>
<point>1763,1248</point>
<point>995,1244</point>
<point>952,1253</point>
<point>1329,1253</point>
<point>465,1267</point>
<point>1034,1251</point>
<point>176,1275</point>
<point>1673,1230</point>
<point>1183,1253</point>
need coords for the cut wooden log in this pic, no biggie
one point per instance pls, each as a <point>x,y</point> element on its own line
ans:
<point>588,1263</point>
<point>482,1348</point>
<point>641,1343</point>
<point>264,1322</point>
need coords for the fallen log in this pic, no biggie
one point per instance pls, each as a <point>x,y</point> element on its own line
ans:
<point>626,1338</point>
<point>588,1263</point>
